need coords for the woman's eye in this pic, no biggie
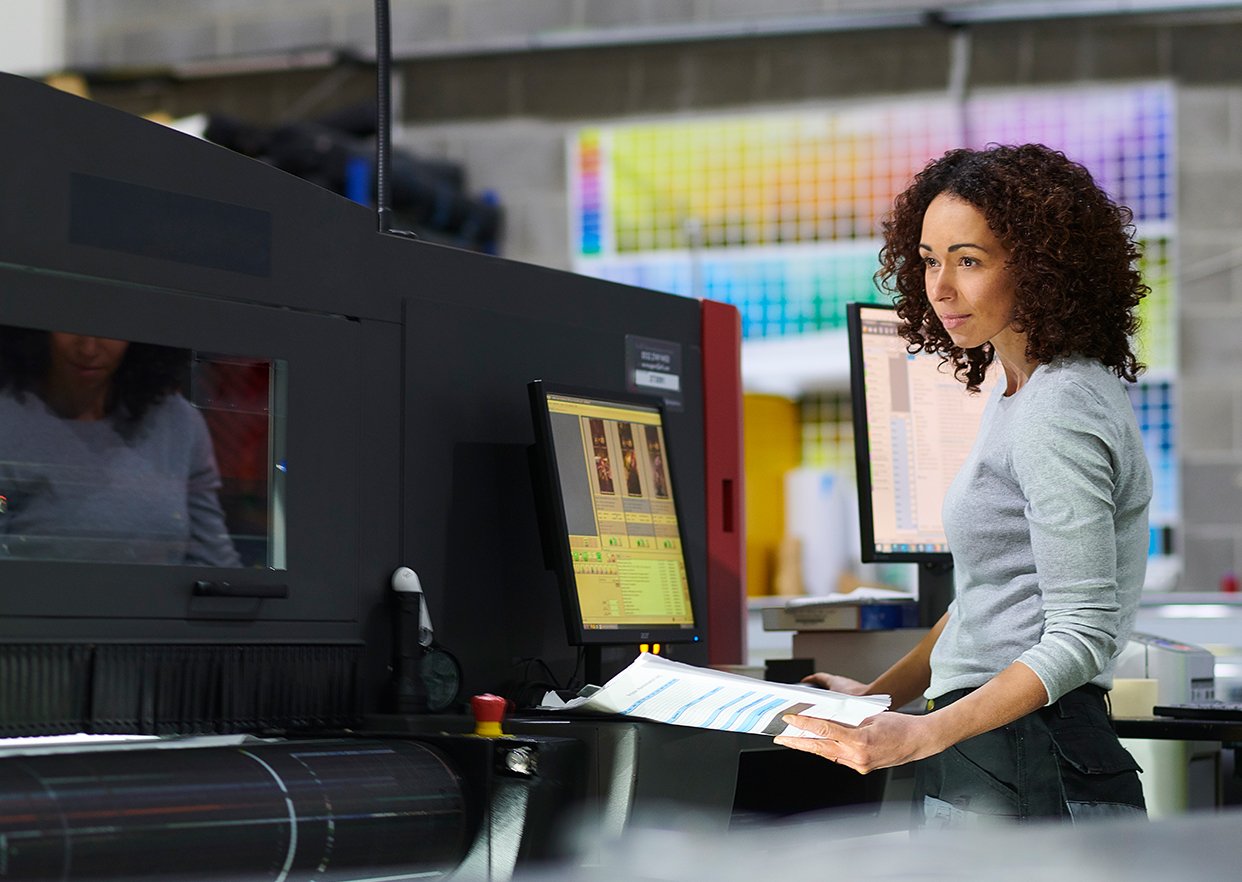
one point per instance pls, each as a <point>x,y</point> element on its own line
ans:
<point>968,261</point>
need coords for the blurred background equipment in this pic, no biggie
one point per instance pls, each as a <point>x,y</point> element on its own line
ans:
<point>337,152</point>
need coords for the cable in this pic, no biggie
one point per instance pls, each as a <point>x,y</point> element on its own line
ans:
<point>383,128</point>
<point>383,122</point>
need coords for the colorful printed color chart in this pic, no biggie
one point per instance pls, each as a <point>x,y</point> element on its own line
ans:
<point>779,213</point>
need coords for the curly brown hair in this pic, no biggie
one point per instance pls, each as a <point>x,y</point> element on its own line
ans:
<point>1073,257</point>
<point>147,374</point>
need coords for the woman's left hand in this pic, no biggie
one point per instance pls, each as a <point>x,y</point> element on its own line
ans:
<point>887,739</point>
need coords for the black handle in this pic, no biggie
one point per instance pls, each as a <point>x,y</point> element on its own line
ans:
<point>229,589</point>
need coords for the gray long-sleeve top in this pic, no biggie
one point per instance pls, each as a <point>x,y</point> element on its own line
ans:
<point>89,490</point>
<point>1047,522</point>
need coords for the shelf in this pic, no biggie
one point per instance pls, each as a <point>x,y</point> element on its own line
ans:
<point>796,364</point>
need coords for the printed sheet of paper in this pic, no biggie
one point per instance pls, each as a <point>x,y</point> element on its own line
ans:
<point>655,688</point>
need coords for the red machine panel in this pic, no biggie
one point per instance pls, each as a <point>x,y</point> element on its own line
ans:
<point>726,526</point>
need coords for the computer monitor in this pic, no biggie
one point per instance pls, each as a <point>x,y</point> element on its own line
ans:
<point>914,424</point>
<point>607,495</point>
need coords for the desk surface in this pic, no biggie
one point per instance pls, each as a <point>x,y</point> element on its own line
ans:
<point>1169,728</point>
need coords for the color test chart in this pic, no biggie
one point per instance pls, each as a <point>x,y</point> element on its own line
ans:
<point>779,213</point>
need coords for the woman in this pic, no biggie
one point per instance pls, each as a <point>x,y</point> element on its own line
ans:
<point>1012,259</point>
<point>100,458</point>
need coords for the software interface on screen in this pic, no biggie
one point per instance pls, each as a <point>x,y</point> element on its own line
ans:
<point>620,514</point>
<point>921,423</point>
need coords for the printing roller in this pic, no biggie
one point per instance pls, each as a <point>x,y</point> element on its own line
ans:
<point>251,810</point>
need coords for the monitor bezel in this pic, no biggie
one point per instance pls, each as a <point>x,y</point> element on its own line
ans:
<point>554,527</point>
<point>862,449</point>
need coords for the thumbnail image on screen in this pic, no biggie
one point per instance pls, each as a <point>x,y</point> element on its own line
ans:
<point>620,514</point>
<point>920,423</point>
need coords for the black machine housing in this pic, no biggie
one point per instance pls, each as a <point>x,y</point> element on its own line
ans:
<point>406,428</point>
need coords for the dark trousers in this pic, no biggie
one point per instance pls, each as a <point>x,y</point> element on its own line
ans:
<point>1062,761</point>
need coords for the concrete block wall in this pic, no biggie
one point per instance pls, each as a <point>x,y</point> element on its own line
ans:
<point>32,38</point>
<point>1210,382</point>
<point>145,33</point>
<point>504,115</point>
<point>521,160</point>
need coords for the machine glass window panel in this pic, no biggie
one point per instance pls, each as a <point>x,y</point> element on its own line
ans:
<point>124,451</point>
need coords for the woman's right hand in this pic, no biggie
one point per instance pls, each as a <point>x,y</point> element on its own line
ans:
<point>837,683</point>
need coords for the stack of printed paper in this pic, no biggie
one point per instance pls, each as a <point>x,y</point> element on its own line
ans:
<point>655,688</point>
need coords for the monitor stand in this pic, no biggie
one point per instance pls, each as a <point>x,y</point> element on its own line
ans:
<point>603,661</point>
<point>935,591</point>
<point>593,665</point>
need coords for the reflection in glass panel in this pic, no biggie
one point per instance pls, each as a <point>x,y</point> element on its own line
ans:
<point>124,451</point>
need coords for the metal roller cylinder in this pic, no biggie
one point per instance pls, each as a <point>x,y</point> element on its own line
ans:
<point>281,811</point>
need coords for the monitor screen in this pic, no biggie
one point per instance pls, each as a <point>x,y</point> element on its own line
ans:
<point>914,424</point>
<point>609,509</point>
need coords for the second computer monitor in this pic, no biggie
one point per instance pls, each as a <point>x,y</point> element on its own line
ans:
<point>914,424</point>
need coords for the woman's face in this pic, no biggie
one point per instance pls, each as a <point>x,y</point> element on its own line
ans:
<point>966,274</point>
<point>84,363</point>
